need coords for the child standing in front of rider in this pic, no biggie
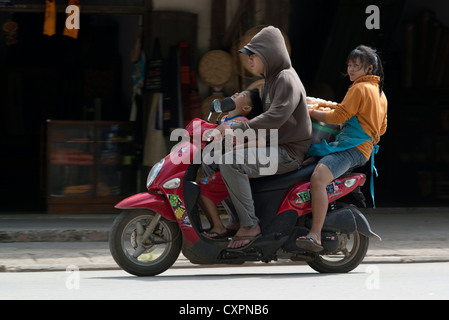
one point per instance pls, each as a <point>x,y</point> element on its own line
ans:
<point>213,189</point>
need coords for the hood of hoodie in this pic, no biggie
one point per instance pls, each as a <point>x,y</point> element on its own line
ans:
<point>269,45</point>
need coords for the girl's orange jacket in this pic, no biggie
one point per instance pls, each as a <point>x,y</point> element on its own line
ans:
<point>363,100</point>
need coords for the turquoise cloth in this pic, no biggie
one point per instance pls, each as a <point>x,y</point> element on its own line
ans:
<point>351,136</point>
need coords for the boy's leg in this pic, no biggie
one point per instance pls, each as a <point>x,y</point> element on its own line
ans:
<point>213,191</point>
<point>212,214</point>
<point>227,203</point>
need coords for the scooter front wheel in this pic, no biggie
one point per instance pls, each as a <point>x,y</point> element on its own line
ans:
<point>350,254</point>
<point>144,253</point>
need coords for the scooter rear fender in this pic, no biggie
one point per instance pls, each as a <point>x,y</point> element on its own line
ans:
<point>155,202</point>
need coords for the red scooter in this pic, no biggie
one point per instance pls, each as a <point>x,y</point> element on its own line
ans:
<point>147,238</point>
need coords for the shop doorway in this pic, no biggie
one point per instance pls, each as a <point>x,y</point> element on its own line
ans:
<point>56,78</point>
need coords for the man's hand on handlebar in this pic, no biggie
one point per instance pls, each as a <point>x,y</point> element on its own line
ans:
<point>225,130</point>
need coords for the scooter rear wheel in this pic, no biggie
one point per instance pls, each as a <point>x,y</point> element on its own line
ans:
<point>352,251</point>
<point>144,258</point>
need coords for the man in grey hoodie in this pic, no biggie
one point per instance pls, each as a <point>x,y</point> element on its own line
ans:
<point>285,110</point>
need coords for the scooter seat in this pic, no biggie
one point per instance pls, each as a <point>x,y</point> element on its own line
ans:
<point>283,181</point>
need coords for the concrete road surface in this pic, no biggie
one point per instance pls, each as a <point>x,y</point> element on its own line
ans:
<point>369,281</point>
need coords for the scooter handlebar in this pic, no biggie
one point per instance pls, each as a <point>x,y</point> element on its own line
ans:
<point>226,105</point>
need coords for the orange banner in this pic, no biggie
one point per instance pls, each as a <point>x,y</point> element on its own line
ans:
<point>50,18</point>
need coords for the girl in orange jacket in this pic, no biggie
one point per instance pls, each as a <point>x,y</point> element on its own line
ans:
<point>364,111</point>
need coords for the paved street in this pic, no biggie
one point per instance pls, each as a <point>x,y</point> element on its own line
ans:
<point>412,262</point>
<point>368,281</point>
<point>52,242</point>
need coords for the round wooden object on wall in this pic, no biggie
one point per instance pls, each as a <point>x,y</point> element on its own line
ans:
<point>216,68</point>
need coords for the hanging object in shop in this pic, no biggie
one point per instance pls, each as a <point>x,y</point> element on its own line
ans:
<point>72,23</point>
<point>184,60</point>
<point>194,97</point>
<point>50,18</point>
<point>11,28</point>
<point>173,117</point>
<point>153,81</point>
<point>154,148</point>
<point>139,60</point>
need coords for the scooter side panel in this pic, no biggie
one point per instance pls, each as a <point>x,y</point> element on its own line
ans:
<point>299,197</point>
<point>150,201</point>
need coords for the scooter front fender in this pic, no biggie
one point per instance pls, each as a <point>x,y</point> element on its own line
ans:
<point>149,201</point>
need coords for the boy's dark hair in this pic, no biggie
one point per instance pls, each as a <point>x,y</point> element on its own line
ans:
<point>256,103</point>
<point>368,56</point>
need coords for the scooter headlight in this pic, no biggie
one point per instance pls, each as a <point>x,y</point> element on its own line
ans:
<point>154,172</point>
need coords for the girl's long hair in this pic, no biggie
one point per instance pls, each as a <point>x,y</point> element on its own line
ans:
<point>369,56</point>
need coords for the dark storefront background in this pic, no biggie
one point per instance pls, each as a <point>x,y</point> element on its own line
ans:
<point>57,78</point>
<point>61,78</point>
<point>413,42</point>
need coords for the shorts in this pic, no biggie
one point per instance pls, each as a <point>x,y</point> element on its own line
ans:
<point>341,162</point>
<point>214,188</point>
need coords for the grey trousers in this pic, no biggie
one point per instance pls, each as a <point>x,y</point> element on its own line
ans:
<point>251,164</point>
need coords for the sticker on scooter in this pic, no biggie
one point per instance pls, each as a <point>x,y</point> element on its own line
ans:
<point>333,189</point>
<point>180,211</point>
<point>330,188</point>
<point>303,197</point>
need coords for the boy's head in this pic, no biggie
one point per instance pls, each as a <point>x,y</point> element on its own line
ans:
<point>248,103</point>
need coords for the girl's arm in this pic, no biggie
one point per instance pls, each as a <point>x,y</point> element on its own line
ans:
<point>343,111</point>
<point>317,115</point>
